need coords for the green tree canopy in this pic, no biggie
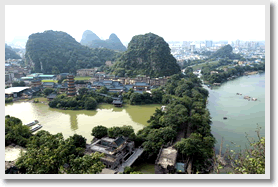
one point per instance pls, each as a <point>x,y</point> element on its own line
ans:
<point>99,131</point>
<point>51,154</point>
<point>15,132</point>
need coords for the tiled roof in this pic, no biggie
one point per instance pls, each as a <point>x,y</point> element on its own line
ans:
<point>141,84</point>
<point>119,141</point>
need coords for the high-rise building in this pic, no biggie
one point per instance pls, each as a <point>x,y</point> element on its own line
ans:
<point>237,42</point>
<point>192,47</point>
<point>208,43</point>
<point>71,88</point>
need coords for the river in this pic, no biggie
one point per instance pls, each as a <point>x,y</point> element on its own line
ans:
<point>242,115</point>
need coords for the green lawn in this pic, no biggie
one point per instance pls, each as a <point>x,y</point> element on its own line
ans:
<point>41,99</point>
<point>82,78</point>
<point>50,81</point>
<point>199,66</point>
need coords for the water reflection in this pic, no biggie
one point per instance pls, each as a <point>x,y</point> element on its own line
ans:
<point>69,122</point>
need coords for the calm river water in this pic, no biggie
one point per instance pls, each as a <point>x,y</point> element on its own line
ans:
<point>243,115</point>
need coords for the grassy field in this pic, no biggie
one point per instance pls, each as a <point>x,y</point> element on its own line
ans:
<point>41,99</point>
<point>199,66</point>
<point>50,81</point>
<point>82,78</point>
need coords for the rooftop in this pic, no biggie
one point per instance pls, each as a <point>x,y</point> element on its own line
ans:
<point>46,76</point>
<point>167,157</point>
<point>12,90</point>
<point>141,84</point>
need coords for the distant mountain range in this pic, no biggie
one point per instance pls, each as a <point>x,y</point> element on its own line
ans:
<point>18,42</point>
<point>11,53</point>
<point>91,40</point>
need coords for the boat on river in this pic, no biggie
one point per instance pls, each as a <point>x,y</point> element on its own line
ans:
<point>32,123</point>
<point>36,127</point>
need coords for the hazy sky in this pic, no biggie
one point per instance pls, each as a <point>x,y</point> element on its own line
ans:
<point>172,22</point>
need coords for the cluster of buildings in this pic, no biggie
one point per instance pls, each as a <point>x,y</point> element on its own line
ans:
<point>13,72</point>
<point>192,50</point>
<point>139,84</point>
<point>38,81</point>
<point>120,152</point>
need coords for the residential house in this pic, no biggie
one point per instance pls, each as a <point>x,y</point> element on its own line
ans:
<point>85,72</point>
<point>141,86</point>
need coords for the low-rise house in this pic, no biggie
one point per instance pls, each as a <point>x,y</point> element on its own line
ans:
<point>62,76</point>
<point>141,86</point>
<point>47,77</point>
<point>213,72</point>
<point>52,96</point>
<point>48,84</point>
<point>15,91</point>
<point>100,74</point>
<point>116,150</point>
<point>85,72</point>
<point>158,81</point>
<point>36,83</point>
<point>166,161</point>
<point>108,63</point>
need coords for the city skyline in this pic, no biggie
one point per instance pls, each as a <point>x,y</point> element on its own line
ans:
<point>172,22</point>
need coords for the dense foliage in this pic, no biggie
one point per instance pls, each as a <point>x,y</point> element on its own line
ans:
<point>130,170</point>
<point>112,43</point>
<point>51,154</point>
<point>200,149</point>
<point>57,52</point>
<point>9,100</point>
<point>85,100</point>
<point>135,98</point>
<point>48,91</point>
<point>251,160</point>
<point>126,131</point>
<point>225,52</point>
<point>223,76</point>
<point>185,122</point>
<point>15,132</point>
<point>148,55</point>
<point>99,131</point>
<point>10,53</point>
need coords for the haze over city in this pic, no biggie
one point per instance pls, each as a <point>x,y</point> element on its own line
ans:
<point>172,22</point>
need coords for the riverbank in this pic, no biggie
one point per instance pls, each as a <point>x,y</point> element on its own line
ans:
<point>247,73</point>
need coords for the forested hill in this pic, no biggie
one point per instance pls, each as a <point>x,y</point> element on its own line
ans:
<point>113,43</point>
<point>148,55</point>
<point>88,36</point>
<point>10,53</point>
<point>58,52</point>
<point>226,52</point>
